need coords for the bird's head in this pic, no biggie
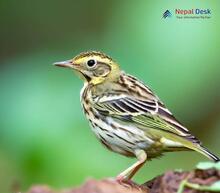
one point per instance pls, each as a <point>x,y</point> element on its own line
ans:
<point>93,67</point>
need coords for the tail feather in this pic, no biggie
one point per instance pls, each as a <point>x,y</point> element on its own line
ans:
<point>208,154</point>
<point>190,144</point>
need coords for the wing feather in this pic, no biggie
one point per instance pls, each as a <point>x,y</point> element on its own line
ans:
<point>146,112</point>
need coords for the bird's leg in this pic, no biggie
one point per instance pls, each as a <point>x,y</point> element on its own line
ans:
<point>130,172</point>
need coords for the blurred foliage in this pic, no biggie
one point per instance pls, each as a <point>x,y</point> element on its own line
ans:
<point>208,165</point>
<point>213,187</point>
<point>44,137</point>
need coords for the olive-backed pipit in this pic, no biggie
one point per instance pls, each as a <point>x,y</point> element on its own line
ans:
<point>125,115</point>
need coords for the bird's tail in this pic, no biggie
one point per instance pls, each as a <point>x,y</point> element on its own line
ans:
<point>193,145</point>
<point>196,146</point>
<point>207,153</point>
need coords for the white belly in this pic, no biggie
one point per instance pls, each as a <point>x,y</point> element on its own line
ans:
<point>120,138</point>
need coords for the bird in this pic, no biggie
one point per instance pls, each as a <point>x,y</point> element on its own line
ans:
<point>125,114</point>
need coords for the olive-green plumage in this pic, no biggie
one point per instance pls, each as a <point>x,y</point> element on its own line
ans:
<point>125,115</point>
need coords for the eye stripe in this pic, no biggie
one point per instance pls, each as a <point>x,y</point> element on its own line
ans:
<point>98,62</point>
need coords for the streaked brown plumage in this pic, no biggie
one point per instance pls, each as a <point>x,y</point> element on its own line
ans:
<point>125,115</point>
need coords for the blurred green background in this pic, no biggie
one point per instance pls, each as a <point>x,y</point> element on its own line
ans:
<point>44,137</point>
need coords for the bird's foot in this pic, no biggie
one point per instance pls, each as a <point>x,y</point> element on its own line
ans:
<point>127,182</point>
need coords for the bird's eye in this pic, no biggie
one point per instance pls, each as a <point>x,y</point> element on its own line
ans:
<point>91,63</point>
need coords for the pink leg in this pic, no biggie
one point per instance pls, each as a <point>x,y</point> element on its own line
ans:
<point>126,175</point>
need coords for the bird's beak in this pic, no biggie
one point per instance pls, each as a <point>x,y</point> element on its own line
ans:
<point>67,64</point>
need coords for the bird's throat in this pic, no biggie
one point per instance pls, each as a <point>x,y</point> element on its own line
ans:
<point>82,76</point>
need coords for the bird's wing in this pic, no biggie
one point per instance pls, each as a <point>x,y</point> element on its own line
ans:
<point>147,112</point>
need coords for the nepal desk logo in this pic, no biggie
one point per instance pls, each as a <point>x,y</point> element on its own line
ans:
<point>167,14</point>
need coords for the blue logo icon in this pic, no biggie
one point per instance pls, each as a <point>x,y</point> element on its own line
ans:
<point>167,14</point>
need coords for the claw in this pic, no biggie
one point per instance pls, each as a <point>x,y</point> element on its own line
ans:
<point>127,183</point>
<point>120,178</point>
